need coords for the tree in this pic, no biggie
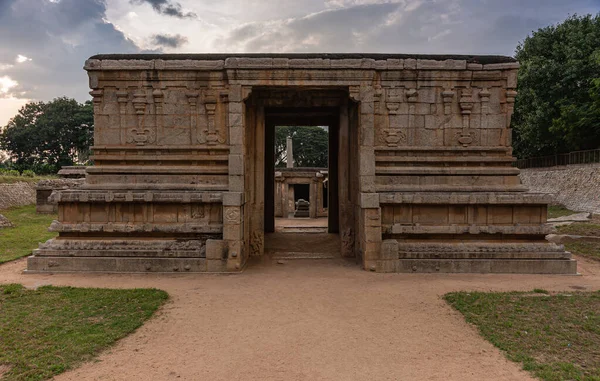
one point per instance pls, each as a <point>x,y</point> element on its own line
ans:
<point>46,136</point>
<point>557,109</point>
<point>311,146</point>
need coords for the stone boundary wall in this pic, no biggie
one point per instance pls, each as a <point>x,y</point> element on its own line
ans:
<point>575,186</point>
<point>17,194</point>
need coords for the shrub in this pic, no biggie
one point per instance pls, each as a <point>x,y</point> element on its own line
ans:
<point>28,173</point>
<point>12,172</point>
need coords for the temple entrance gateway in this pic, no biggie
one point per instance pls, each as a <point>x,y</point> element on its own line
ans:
<point>298,106</point>
<point>419,179</point>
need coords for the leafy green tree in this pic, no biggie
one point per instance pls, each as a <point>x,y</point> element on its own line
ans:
<point>557,109</point>
<point>46,136</point>
<point>311,146</point>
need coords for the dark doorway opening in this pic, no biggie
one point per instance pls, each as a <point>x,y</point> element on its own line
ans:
<point>300,116</point>
<point>301,192</point>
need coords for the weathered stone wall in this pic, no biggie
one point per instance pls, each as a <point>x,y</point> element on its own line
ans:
<point>574,186</point>
<point>17,194</point>
<point>426,182</point>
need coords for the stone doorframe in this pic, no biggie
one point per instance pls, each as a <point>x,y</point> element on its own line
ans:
<point>307,106</point>
<point>301,116</point>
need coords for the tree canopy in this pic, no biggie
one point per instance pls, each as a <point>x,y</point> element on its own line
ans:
<point>46,136</point>
<point>558,106</point>
<point>311,146</point>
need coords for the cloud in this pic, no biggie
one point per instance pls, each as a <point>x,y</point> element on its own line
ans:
<point>44,44</point>
<point>167,8</point>
<point>168,40</point>
<point>404,26</point>
<point>21,58</point>
<point>6,83</point>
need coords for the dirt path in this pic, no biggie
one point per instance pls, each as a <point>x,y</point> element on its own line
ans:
<point>306,320</point>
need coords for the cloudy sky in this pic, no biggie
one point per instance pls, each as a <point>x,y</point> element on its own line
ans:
<point>44,43</point>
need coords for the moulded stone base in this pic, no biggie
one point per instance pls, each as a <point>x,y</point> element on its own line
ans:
<point>37,264</point>
<point>509,266</point>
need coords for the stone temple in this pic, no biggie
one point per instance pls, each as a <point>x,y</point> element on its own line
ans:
<point>420,176</point>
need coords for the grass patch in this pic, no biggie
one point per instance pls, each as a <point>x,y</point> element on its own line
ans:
<point>47,331</point>
<point>580,228</point>
<point>29,229</point>
<point>23,179</point>
<point>555,337</point>
<point>585,249</point>
<point>555,211</point>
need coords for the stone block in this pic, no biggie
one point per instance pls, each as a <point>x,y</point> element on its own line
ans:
<point>215,249</point>
<point>235,93</point>
<point>410,64</point>
<point>236,165</point>
<point>502,66</point>
<point>389,249</point>
<point>395,64</point>
<point>372,234</point>
<point>236,183</point>
<point>389,266</point>
<point>441,65</point>
<point>372,250</point>
<point>235,121</point>
<point>216,266</point>
<point>474,66</point>
<point>233,232</point>
<point>369,200</point>
<point>233,198</point>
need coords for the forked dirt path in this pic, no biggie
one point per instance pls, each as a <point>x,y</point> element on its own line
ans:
<point>305,320</point>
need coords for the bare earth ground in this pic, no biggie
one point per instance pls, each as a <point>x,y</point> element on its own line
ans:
<point>305,320</point>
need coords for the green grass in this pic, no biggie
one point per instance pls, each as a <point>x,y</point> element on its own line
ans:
<point>580,228</point>
<point>47,331</point>
<point>555,211</point>
<point>585,249</point>
<point>555,337</point>
<point>29,229</point>
<point>17,179</point>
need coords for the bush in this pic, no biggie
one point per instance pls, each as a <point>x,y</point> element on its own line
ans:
<point>12,172</point>
<point>28,173</point>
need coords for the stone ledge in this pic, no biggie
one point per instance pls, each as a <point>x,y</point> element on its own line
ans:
<point>399,188</point>
<point>211,62</point>
<point>100,196</point>
<point>37,264</point>
<point>160,169</point>
<point>456,170</point>
<point>541,229</point>
<point>393,249</point>
<point>484,266</point>
<point>460,198</point>
<point>110,227</point>
<point>166,248</point>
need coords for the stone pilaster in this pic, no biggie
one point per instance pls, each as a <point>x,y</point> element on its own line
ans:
<point>369,234</point>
